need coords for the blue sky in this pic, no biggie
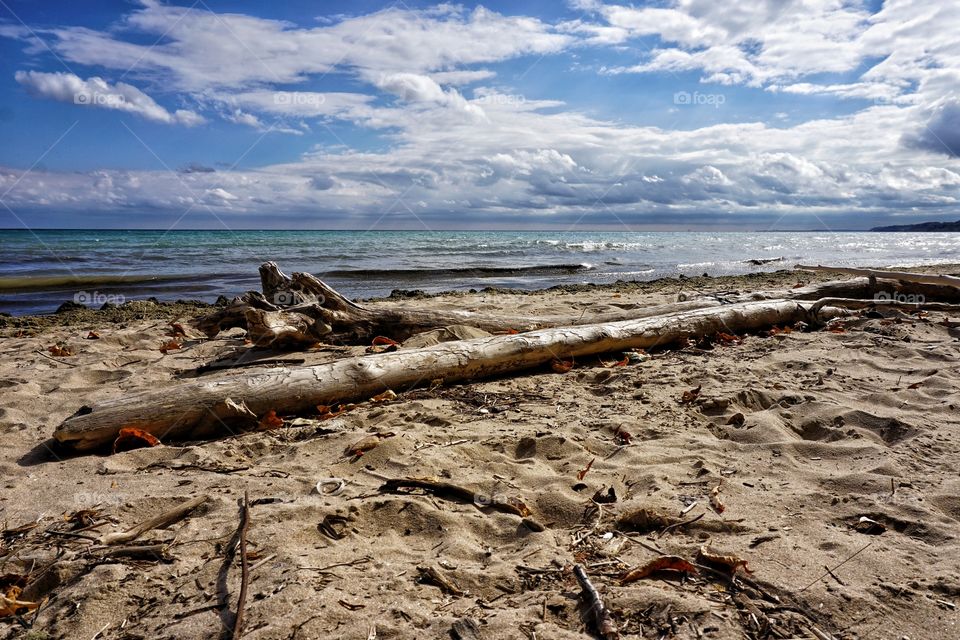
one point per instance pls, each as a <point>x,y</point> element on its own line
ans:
<point>673,114</point>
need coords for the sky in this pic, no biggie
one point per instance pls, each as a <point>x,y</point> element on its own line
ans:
<point>676,114</point>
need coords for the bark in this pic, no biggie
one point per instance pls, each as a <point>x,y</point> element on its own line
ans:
<point>177,411</point>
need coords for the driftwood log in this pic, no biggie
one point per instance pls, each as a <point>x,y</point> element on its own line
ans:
<point>179,411</point>
<point>903,276</point>
<point>302,309</point>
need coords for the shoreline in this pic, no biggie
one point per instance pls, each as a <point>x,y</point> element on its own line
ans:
<point>71,313</point>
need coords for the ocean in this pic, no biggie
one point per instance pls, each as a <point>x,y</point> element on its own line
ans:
<point>41,269</point>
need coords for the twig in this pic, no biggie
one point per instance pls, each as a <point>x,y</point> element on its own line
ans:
<point>832,569</point>
<point>244,568</point>
<point>834,576</point>
<point>675,525</point>
<point>51,359</point>
<point>163,520</point>
<point>601,616</point>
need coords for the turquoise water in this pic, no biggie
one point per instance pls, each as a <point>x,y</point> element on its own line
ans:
<point>41,269</point>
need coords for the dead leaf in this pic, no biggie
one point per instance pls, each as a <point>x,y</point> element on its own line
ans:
<point>177,330</point>
<point>332,411</point>
<point>383,340</point>
<point>62,350</point>
<point>561,366</point>
<point>171,345</point>
<point>82,518</point>
<point>691,395</point>
<point>727,339</point>
<point>93,335</point>
<point>367,443</point>
<point>10,606</point>
<point>623,437</point>
<point>737,419</point>
<point>583,472</point>
<point>133,438</point>
<point>350,607</point>
<point>729,563</point>
<point>915,385</point>
<point>715,503</point>
<point>270,420</point>
<point>389,394</point>
<point>663,563</point>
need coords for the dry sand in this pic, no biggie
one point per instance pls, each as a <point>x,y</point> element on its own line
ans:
<point>836,426</point>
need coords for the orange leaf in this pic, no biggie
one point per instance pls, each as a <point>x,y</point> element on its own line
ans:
<point>562,366</point>
<point>715,501</point>
<point>389,394</point>
<point>61,350</point>
<point>326,411</point>
<point>385,341</point>
<point>622,436</point>
<point>583,472</point>
<point>172,345</point>
<point>663,563</point>
<point>10,606</point>
<point>271,421</point>
<point>363,445</point>
<point>730,563</point>
<point>691,395</point>
<point>134,438</point>
<point>93,335</point>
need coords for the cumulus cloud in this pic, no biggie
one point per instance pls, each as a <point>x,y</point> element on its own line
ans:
<point>96,92</point>
<point>201,49</point>
<point>444,142</point>
<point>941,132</point>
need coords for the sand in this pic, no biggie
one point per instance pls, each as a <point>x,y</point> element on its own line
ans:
<point>836,426</point>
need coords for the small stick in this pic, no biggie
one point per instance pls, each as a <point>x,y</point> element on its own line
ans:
<point>834,576</point>
<point>601,616</point>
<point>682,523</point>
<point>830,570</point>
<point>163,520</point>
<point>244,568</point>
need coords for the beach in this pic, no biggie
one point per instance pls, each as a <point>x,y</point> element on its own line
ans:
<point>772,447</point>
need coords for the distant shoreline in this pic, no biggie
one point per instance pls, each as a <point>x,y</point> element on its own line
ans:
<point>921,226</point>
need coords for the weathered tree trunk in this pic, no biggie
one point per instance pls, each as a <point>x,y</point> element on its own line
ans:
<point>302,309</point>
<point>920,278</point>
<point>175,412</point>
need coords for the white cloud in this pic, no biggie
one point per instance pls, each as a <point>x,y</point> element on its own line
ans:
<point>96,92</point>
<point>203,50</point>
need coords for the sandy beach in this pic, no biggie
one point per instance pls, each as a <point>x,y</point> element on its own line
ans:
<point>805,434</point>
